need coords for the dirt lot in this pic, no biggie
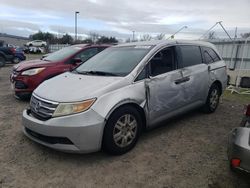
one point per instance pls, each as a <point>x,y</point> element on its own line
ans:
<point>189,151</point>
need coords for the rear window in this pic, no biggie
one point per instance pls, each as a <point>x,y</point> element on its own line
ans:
<point>210,55</point>
<point>190,55</point>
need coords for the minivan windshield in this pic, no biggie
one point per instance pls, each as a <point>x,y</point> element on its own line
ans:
<point>116,61</point>
<point>62,54</point>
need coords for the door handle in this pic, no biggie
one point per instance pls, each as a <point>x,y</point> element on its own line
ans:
<point>182,80</point>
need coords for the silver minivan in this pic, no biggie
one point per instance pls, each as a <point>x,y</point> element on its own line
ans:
<point>110,99</point>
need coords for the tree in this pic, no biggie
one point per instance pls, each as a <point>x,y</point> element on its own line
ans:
<point>160,36</point>
<point>245,35</point>
<point>94,36</point>
<point>146,37</point>
<point>48,37</point>
<point>211,35</point>
<point>66,39</point>
<point>87,41</point>
<point>106,40</point>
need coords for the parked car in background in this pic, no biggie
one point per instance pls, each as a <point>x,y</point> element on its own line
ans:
<point>239,144</point>
<point>18,56</point>
<point>27,75</point>
<point>37,43</point>
<point>6,54</point>
<point>107,101</point>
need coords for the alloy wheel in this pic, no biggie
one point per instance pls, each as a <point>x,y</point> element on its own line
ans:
<point>125,130</point>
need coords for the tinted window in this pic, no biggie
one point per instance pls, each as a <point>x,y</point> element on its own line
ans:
<point>86,54</point>
<point>190,55</point>
<point>210,55</point>
<point>162,62</point>
<point>119,61</point>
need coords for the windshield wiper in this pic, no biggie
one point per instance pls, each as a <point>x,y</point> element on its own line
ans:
<point>98,73</point>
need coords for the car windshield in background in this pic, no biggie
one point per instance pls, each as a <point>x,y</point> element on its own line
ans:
<point>61,54</point>
<point>117,61</point>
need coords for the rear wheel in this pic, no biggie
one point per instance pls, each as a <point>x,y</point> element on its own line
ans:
<point>122,130</point>
<point>213,99</point>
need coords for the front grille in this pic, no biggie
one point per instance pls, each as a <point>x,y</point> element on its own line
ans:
<point>42,109</point>
<point>48,139</point>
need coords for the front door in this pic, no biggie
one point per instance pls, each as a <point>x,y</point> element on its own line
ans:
<point>165,90</point>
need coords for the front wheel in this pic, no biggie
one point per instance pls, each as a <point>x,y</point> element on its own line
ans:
<point>122,130</point>
<point>213,99</point>
<point>2,61</point>
<point>16,60</point>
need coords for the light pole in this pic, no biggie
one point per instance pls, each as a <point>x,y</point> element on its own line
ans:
<point>76,12</point>
<point>133,36</point>
<point>172,36</point>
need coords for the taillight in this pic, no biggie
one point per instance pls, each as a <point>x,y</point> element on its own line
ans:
<point>13,50</point>
<point>248,110</point>
<point>235,163</point>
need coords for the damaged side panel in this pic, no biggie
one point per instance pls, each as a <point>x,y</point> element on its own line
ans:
<point>164,94</point>
<point>134,93</point>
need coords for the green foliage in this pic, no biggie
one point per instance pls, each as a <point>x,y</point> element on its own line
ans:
<point>106,40</point>
<point>67,39</point>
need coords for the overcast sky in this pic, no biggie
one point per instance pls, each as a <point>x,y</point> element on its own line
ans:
<point>120,17</point>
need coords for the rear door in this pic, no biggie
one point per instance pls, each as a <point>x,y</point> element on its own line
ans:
<point>195,71</point>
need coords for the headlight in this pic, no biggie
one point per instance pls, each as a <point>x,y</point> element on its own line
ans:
<point>31,72</point>
<point>72,108</point>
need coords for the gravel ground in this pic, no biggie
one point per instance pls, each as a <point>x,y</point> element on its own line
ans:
<point>189,151</point>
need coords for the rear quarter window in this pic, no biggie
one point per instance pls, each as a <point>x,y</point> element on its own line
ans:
<point>190,55</point>
<point>210,55</point>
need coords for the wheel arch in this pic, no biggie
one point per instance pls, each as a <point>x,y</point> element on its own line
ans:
<point>219,84</point>
<point>134,105</point>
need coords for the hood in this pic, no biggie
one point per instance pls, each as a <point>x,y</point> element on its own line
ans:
<point>32,64</point>
<point>70,87</point>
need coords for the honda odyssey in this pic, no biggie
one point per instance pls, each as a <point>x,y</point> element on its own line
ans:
<point>107,101</point>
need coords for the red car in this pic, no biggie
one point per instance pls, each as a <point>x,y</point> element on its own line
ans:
<point>26,76</point>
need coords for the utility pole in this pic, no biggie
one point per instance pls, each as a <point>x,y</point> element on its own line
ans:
<point>76,12</point>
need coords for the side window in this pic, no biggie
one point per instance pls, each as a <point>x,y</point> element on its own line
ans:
<point>86,54</point>
<point>162,62</point>
<point>210,55</point>
<point>190,55</point>
<point>142,75</point>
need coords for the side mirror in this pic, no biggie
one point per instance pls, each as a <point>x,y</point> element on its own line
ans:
<point>76,61</point>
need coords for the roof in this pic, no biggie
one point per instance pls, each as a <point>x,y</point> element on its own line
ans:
<point>166,42</point>
<point>93,45</point>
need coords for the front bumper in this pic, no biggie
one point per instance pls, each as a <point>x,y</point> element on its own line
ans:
<point>78,133</point>
<point>239,147</point>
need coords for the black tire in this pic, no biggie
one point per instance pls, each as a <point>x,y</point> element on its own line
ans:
<point>2,61</point>
<point>23,96</point>
<point>213,99</point>
<point>109,144</point>
<point>16,60</point>
<point>30,44</point>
